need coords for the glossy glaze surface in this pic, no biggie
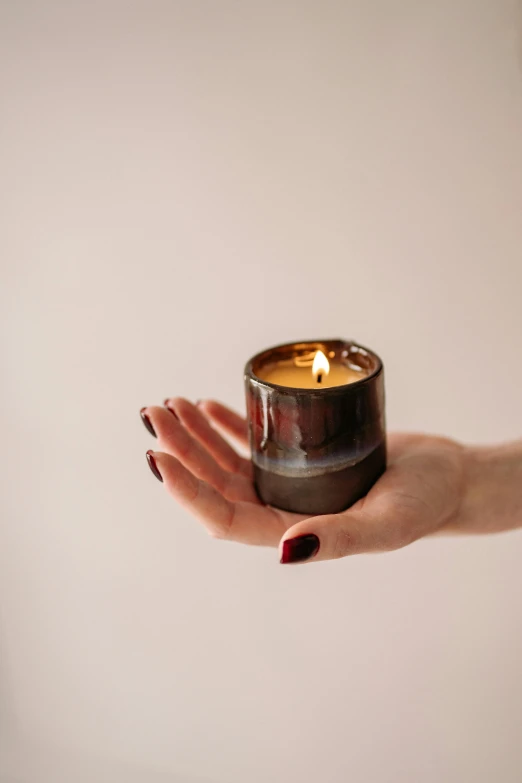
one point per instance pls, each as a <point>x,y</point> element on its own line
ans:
<point>316,450</point>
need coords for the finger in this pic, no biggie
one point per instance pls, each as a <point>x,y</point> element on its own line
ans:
<point>227,419</point>
<point>174,439</point>
<point>402,507</point>
<point>236,521</point>
<point>198,425</point>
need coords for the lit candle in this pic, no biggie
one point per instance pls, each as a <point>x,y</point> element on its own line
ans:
<point>311,371</point>
<point>316,420</point>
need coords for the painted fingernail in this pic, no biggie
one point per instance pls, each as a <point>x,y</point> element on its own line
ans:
<point>171,410</point>
<point>147,422</point>
<point>153,466</point>
<point>295,550</point>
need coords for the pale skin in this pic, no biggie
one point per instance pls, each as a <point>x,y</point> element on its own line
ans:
<point>433,485</point>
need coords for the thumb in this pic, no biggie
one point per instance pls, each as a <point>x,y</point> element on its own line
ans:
<point>414,498</point>
<point>387,521</point>
<point>337,535</point>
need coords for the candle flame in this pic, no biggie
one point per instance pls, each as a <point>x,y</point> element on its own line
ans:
<point>321,365</point>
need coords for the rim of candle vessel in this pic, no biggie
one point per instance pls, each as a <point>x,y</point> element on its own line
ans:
<point>319,345</point>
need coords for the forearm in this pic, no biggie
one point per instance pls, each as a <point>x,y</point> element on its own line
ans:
<point>492,492</point>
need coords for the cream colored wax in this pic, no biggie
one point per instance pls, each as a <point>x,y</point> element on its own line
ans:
<point>286,373</point>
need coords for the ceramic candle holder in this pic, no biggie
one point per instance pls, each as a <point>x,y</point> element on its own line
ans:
<point>316,450</point>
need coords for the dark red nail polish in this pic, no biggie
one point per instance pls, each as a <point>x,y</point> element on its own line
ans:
<point>171,410</point>
<point>295,550</point>
<point>153,466</point>
<point>147,422</point>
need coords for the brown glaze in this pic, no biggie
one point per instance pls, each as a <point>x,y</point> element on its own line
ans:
<point>317,451</point>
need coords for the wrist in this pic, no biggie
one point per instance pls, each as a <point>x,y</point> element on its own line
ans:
<point>492,490</point>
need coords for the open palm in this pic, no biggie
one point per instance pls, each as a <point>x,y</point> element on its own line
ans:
<point>419,494</point>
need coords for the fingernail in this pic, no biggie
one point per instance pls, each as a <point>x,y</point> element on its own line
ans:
<point>153,466</point>
<point>295,550</point>
<point>147,422</point>
<point>167,406</point>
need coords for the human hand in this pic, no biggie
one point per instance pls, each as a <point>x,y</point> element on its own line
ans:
<point>422,492</point>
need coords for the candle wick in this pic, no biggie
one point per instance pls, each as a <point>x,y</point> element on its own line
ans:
<point>319,377</point>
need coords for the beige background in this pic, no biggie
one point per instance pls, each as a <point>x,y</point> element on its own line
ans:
<point>183,184</point>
